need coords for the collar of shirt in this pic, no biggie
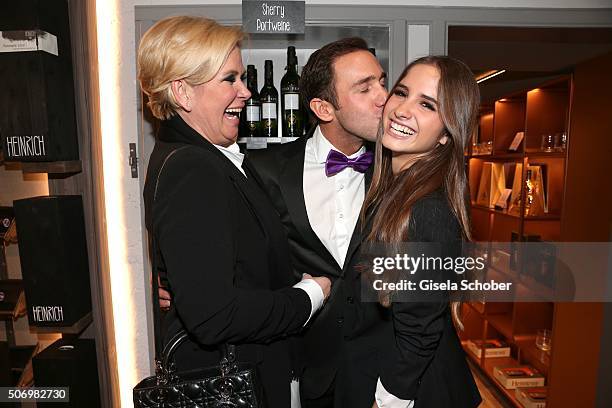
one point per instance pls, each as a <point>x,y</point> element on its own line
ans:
<point>322,146</point>
<point>232,152</point>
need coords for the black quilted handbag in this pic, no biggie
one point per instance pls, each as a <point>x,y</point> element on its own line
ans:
<point>230,384</point>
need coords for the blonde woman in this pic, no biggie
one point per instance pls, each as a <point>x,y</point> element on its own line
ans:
<point>221,249</point>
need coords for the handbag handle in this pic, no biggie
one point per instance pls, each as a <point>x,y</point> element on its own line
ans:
<point>227,364</point>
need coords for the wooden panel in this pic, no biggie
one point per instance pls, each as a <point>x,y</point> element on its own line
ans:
<point>481,223</point>
<point>531,316</point>
<point>547,111</point>
<point>503,226</point>
<point>473,323</point>
<point>474,172</point>
<point>586,216</point>
<point>548,230</point>
<point>588,194</point>
<point>486,128</point>
<point>575,355</point>
<point>509,119</point>
<point>502,323</point>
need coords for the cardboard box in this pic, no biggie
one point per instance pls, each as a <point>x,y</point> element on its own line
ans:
<point>514,376</point>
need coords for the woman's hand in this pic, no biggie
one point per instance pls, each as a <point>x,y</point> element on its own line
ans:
<point>375,405</point>
<point>322,281</point>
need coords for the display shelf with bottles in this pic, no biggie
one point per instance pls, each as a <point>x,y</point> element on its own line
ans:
<point>558,194</point>
<point>546,169</point>
<point>262,49</point>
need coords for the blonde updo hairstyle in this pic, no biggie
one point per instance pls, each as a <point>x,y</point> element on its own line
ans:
<point>181,47</point>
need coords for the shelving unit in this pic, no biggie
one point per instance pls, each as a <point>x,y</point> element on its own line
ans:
<point>559,105</point>
<point>517,323</point>
<point>263,142</point>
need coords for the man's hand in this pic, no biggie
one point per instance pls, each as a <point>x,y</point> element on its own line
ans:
<point>164,297</point>
<point>322,281</point>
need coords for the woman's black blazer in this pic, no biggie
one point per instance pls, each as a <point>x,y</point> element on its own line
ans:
<point>223,254</point>
<point>415,349</point>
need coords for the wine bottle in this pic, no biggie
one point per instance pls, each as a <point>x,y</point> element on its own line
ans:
<point>251,114</point>
<point>292,123</point>
<point>269,103</point>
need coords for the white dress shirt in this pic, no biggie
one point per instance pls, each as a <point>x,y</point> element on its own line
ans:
<point>332,203</point>
<point>232,152</point>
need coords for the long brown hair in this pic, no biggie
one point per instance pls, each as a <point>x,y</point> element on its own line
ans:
<point>391,197</point>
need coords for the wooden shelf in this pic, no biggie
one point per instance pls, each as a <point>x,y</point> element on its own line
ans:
<point>57,167</point>
<point>498,156</point>
<point>266,140</point>
<point>543,217</point>
<point>494,211</point>
<point>541,154</point>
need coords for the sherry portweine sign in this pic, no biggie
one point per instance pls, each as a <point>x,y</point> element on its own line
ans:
<point>273,17</point>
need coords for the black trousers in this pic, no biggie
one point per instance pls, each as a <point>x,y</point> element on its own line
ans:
<point>324,401</point>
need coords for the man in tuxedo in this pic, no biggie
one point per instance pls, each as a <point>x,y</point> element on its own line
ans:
<point>318,185</point>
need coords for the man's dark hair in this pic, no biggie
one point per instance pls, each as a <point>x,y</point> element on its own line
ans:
<point>317,80</point>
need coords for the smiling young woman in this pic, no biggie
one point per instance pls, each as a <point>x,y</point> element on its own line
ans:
<point>418,194</point>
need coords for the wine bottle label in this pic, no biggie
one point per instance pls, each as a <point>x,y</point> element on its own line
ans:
<point>268,110</point>
<point>292,101</point>
<point>252,114</point>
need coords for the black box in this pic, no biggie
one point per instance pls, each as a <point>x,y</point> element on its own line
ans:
<point>38,122</point>
<point>53,257</point>
<point>69,363</point>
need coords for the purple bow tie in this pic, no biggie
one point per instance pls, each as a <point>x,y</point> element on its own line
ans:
<point>336,162</point>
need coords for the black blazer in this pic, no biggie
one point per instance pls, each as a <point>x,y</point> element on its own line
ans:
<point>223,252</point>
<point>281,169</point>
<point>416,351</point>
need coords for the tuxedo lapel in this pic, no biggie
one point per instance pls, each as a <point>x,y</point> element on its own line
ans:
<point>357,236</point>
<point>292,187</point>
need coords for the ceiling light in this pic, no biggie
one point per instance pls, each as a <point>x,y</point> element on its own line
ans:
<point>489,74</point>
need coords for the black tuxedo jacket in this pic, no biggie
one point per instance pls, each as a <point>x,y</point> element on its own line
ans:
<point>281,169</point>
<point>224,255</point>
